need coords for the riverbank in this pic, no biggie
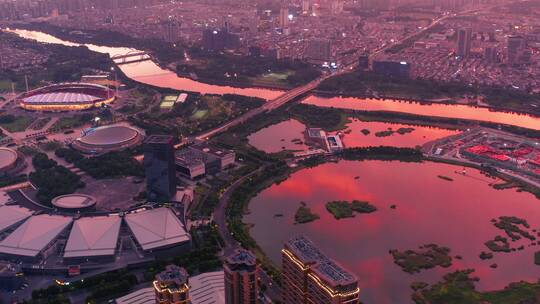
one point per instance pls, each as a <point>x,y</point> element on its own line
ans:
<point>424,101</point>
<point>368,84</point>
<point>163,57</point>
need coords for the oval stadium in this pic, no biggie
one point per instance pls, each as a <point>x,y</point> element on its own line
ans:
<point>66,97</point>
<point>108,138</point>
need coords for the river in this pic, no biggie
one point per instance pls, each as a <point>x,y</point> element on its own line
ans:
<point>149,72</point>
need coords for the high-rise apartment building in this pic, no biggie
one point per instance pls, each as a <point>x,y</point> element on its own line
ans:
<point>306,7</point>
<point>171,286</point>
<point>336,6</point>
<point>516,46</point>
<point>309,276</point>
<point>464,41</point>
<point>284,18</point>
<point>172,30</point>
<point>241,271</point>
<point>160,167</point>
<point>319,50</point>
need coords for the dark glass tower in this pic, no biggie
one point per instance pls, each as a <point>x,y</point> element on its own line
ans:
<point>159,167</point>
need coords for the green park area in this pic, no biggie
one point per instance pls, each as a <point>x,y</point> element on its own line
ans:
<point>247,69</point>
<point>74,121</point>
<point>459,288</point>
<point>198,113</point>
<point>14,123</point>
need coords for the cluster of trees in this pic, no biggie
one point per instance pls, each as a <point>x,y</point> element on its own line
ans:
<point>102,286</point>
<point>362,83</point>
<point>240,197</point>
<point>64,63</point>
<point>108,165</point>
<point>382,153</point>
<point>313,116</point>
<point>52,179</point>
<point>165,52</point>
<point>244,68</point>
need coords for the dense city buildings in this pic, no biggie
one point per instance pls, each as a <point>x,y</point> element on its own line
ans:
<point>311,277</point>
<point>159,167</point>
<point>241,278</point>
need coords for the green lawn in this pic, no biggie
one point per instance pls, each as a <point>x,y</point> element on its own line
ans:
<point>5,85</point>
<point>19,124</point>
<point>71,122</point>
<point>199,114</point>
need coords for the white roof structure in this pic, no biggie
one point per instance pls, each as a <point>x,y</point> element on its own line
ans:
<point>156,228</point>
<point>141,296</point>
<point>11,215</point>
<point>61,97</point>
<point>34,235</point>
<point>207,288</point>
<point>93,236</point>
<point>4,198</point>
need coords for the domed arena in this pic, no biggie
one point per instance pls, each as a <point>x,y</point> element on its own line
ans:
<point>66,97</point>
<point>10,162</point>
<point>108,138</point>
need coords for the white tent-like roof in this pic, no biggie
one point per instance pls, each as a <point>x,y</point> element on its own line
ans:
<point>4,198</point>
<point>157,228</point>
<point>141,296</point>
<point>93,236</point>
<point>34,235</point>
<point>207,288</point>
<point>11,215</point>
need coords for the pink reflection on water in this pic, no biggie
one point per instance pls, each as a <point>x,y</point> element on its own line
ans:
<point>438,110</point>
<point>150,73</point>
<point>456,214</point>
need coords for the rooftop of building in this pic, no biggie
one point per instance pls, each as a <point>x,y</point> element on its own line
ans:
<point>188,157</point>
<point>323,266</point>
<point>315,132</point>
<point>11,215</point>
<point>241,257</point>
<point>159,139</point>
<point>93,236</point>
<point>30,238</point>
<point>208,149</point>
<point>156,228</point>
<point>173,277</point>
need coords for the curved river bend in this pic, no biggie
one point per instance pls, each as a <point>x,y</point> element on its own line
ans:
<point>150,73</point>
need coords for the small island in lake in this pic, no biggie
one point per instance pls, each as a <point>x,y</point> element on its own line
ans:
<point>344,209</point>
<point>426,257</point>
<point>304,215</point>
